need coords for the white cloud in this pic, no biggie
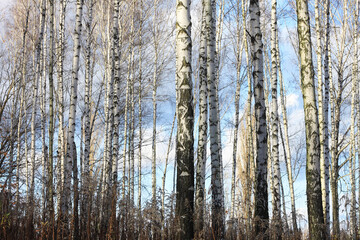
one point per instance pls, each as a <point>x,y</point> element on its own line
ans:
<point>292,100</point>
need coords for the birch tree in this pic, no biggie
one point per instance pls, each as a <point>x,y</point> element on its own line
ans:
<point>325,184</point>
<point>30,210</point>
<point>238,56</point>
<point>202,139</point>
<point>140,116</point>
<point>185,124</point>
<point>60,97</point>
<point>287,152</point>
<point>249,139</point>
<point>261,192</point>
<point>353,222</point>
<point>154,103</point>
<point>115,74</point>
<point>70,152</point>
<point>50,194</point>
<point>86,204</point>
<point>313,184</point>
<point>217,192</point>
<point>275,123</point>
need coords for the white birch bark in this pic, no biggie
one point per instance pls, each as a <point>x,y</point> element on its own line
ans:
<point>287,150</point>
<point>335,103</point>
<point>319,53</point>
<point>326,118</point>
<point>115,74</point>
<point>185,123</point>
<point>261,192</point>
<point>313,188</point>
<point>86,205</point>
<point>140,119</point>
<point>33,115</point>
<point>164,180</point>
<point>354,95</point>
<point>275,124</point>
<point>60,96</point>
<point>202,138</point>
<point>107,158</point>
<point>43,123</point>
<point>50,182</point>
<point>238,52</point>
<point>22,111</point>
<point>70,152</point>
<point>154,103</point>
<point>249,137</point>
<point>216,175</point>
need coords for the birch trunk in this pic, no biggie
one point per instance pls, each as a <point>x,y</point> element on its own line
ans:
<point>313,181</point>
<point>336,101</point>
<point>30,212</point>
<point>185,122</point>
<point>71,158</point>
<point>107,158</point>
<point>115,74</point>
<point>249,137</point>
<point>215,148</point>
<point>132,125</point>
<point>326,118</point>
<point>275,125</point>
<point>335,124</point>
<point>43,125</point>
<point>86,204</point>
<point>132,116</point>
<point>322,126</point>
<point>261,192</point>
<point>154,103</point>
<point>60,96</point>
<point>163,235</point>
<point>140,119</point>
<point>353,223</point>
<point>287,151</point>
<point>22,109</point>
<point>202,139</point>
<point>50,194</point>
<point>239,52</point>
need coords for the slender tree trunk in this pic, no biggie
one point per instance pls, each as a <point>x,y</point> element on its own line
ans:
<point>163,235</point>
<point>313,182</point>
<point>215,148</point>
<point>30,212</point>
<point>140,120</point>
<point>326,119</point>
<point>44,157</point>
<point>22,109</point>
<point>86,204</point>
<point>71,158</point>
<point>202,139</point>
<point>335,124</point>
<point>287,151</point>
<point>239,52</point>
<point>261,193</point>
<point>115,74</point>
<point>353,223</point>
<point>275,125</point>
<point>154,103</point>
<point>132,120</point>
<point>249,137</point>
<point>319,53</point>
<point>107,158</point>
<point>61,138</point>
<point>50,194</point>
<point>336,102</point>
<point>185,123</point>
